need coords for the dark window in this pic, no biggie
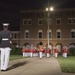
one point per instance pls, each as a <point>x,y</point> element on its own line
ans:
<point>29,22</point>
<point>70,21</point>
<point>58,34</point>
<point>40,34</point>
<point>74,20</point>
<point>72,34</point>
<point>25,22</point>
<point>15,36</point>
<point>49,34</point>
<point>27,35</point>
<point>58,21</point>
<point>40,22</point>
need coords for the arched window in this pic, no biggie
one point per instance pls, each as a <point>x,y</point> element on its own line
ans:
<point>50,34</point>
<point>40,33</point>
<point>73,33</point>
<point>26,35</point>
<point>58,33</point>
<point>72,45</point>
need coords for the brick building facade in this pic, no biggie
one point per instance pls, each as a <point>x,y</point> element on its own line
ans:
<point>34,27</point>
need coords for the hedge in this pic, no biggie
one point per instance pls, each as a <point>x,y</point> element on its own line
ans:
<point>16,51</point>
<point>71,52</point>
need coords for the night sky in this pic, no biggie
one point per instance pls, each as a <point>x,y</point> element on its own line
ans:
<point>10,9</point>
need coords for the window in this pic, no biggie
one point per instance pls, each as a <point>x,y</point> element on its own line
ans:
<point>73,33</point>
<point>29,21</point>
<point>40,21</point>
<point>26,34</point>
<point>40,33</point>
<point>58,33</point>
<point>73,20</point>
<point>14,35</point>
<point>24,21</point>
<point>72,45</point>
<point>58,21</point>
<point>49,34</point>
<point>69,20</point>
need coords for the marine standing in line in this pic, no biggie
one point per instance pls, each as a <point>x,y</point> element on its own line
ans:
<point>56,52</point>
<point>65,51</point>
<point>5,46</point>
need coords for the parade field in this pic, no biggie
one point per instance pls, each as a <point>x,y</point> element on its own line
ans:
<point>67,64</point>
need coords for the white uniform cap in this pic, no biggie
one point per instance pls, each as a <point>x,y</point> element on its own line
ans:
<point>5,24</point>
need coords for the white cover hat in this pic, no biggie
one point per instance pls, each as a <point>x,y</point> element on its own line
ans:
<point>5,24</point>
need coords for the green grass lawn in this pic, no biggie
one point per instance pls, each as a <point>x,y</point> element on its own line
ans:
<point>14,57</point>
<point>67,64</point>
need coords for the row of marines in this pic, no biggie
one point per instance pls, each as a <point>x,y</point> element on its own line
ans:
<point>42,52</point>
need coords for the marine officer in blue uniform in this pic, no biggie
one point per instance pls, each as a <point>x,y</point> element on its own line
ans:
<point>5,44</point>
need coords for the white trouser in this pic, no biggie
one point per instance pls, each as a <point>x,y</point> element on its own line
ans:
<point>40,53</point>
<point>65,55</point>
<point>5,53</point>
<point>56,54</point>
<point>48,54</point>
<point>0,56</point>
<point>31,54</point>
<point>23,54</point>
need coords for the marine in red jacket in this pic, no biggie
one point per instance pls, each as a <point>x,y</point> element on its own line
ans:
<point>56,52</point>
<point>48,51</point>
<point>65,51</point>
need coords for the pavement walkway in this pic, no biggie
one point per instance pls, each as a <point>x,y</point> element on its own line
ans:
<point>34,66</point>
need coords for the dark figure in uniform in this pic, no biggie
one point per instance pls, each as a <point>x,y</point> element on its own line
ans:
<point>5,43</point>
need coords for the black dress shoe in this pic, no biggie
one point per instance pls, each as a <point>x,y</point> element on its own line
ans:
<point>3,70</point>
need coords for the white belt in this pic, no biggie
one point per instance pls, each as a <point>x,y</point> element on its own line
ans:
<point>5,39</point>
